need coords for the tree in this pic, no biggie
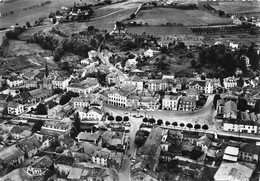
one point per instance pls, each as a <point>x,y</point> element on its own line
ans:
<point>197,126</point>
<point>175,124</point>
<point>189,125</point>
<point>167,123</point>
<point>205,127</point>
<point>152,120</point>
<point>126,119</point>
<point>37,126</point>
<point>193,63</point>
<point>57,91</point>
<point>110,118</point>
<point>241,104</point>
<point>139,141</point>
<point>145,120</point>
<point>28,25</point>
<point>41,109</point>
<point>215,100</point>
<point>119,118</point>
<point>182,125</point>
<point>132,16</point>
<point>77,121</point>
<point>64,99</point>
<point>159,122</point>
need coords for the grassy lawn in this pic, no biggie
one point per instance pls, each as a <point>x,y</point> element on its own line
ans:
<point>157,16</point>
<point>21,17</point>
<point>21,48</point>
<point>233,7</point>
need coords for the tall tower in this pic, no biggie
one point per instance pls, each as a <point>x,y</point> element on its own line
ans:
<point>46,70</point>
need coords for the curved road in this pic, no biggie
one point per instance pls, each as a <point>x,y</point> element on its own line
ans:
<point>203,114</point>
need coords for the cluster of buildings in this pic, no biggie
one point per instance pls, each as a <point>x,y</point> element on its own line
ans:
<point>200,150</point>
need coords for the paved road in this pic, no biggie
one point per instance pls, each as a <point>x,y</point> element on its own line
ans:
<point>171,116</point>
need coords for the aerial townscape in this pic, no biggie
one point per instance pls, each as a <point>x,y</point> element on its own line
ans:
<point>129,90</point>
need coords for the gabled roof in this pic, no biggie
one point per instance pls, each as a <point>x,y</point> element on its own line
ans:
<point>37,92</point>
<point>3,97</point>
<point>201,83</point>
<point>10,153</point>
<point>104,153</point>
<point>230,106</point>
<point>13,104</point>
<point>30,143</point>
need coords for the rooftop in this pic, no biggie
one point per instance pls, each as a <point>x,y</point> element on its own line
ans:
<point>64,160</point>
<point>10,153</point>
<point>233,171</point>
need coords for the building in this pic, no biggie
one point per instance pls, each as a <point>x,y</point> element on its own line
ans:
<point>118,96</point>
<point>249,152</point>
<point>187,104</point>
<point>233,171</point>
<point>209,87</point>
<point>100,157</point>
<point>235,125</point>
<point>61,82</point>
<point>14,81</point>
<point>170,102</point>
<point>80,102</point>
<point>32,84</point>
<point>220,106</point>
<point>90,114</point>
<point>84,87</point>
<point>89,137</point>
<point>136,81</point>
<point>29,146</point>
<point>156,85</point>
<point>198,85</point>
<point>15,108</point>
<point>56,127</point>
<point>231,154</point>
<point>39,95</point>
<point>11,155</point>
<point>230,110</point>
<point>64,164</point>
<point>229,82</point>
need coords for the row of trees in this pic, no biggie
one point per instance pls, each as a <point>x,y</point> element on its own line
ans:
<point>167,123</point>
<point>118,118</point>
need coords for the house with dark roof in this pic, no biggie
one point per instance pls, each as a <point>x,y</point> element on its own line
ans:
<point>39,95</point>
<point>63,164</point>
<point>249,152</point>
<point>29,146</point>
<point>187,103</point>
<point>198,85</point>
<point>23,98</point>
<point>100,157</point>
<point>90,114</point>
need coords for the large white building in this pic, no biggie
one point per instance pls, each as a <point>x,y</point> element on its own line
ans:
<point>61,82</point>
<point>170,102</point>
<point>84,87</point>
<point>230,82</point>
<point>15,108</point>
<point>14,81</point>
<point>118,96</point>
<point>235,125</point>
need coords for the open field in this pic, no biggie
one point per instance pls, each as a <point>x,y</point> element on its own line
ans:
<point>238,7</point>
<point>104,23</point>
<point>157,16</point>
<point>21,17</point>
<point>159,30</point>
<point>21,48</point>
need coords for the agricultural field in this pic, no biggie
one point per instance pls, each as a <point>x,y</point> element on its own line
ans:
<point>21,16</point>
<point>159,30</point>
<point>238,7</point>
<point>21,48</point>
<point>158,16</point>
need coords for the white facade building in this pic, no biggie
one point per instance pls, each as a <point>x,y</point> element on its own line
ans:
<point>14,108</point>
<point>230,82</point>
